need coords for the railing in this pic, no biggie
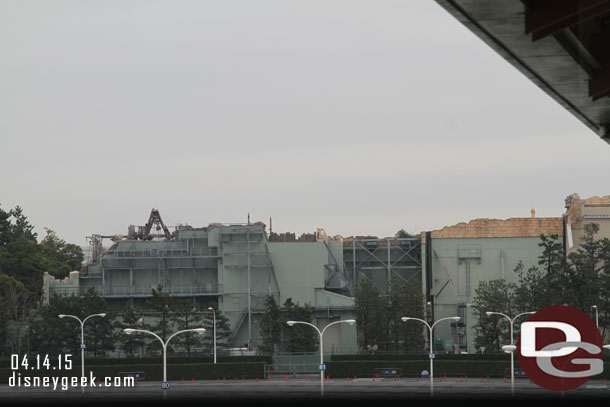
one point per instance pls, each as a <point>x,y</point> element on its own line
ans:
<point>172,290</point>
<point>128,291</point>
<point>160,253</point>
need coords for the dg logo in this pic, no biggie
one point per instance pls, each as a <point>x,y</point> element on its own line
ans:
<point>560,348</point>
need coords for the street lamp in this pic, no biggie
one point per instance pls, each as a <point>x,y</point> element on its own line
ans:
<point>431,355</point>
<point>510,348</point>
<point>321,333</point>
<point>596,316</point>
<point>129,331</point>
<point>214,314</point>
<point>82,341</point>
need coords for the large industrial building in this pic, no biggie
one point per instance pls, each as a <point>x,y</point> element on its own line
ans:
<point>456,258</point>
<point>237,266</point>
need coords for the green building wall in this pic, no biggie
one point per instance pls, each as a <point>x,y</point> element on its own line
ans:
<point>487,259</point>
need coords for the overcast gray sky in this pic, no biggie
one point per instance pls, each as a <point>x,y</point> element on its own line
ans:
<point>361,117</point>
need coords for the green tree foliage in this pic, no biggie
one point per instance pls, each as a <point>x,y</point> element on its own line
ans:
<point>223,331</point>
<point>495,296</point>
<point>51,334</point>
<point>300,337</point>
<point>270,327</point>
<point>378,317</point>
<point>402,234</point>
<point>581,281</point>
<point>185,315</point>
<point>22,257</point>
<point>129,344</point>
<point>15,305</point>
<point>61,257</point>
<point>99,331</point>
<point>370,315</point>
<point>161,305</point>
<point>584,271</point>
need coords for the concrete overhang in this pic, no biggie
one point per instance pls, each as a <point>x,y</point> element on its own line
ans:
<point>561,46</point>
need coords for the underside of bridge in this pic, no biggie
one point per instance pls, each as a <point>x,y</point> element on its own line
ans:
<point>561,46</point>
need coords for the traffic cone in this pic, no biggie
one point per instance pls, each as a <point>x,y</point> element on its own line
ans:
<point>348,378</point>
<point>505,380</point>
<point>257,380</point>
<point>183,379</point>
<point>268,378</point>
<point>193,380</point>
<point>243,378</point>
<point>355,377</point>
<point>217,380</point>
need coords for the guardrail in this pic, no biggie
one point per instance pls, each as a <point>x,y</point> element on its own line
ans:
<point>161,253</point>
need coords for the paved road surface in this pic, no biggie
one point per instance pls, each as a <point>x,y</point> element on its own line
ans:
<point>302,389</point>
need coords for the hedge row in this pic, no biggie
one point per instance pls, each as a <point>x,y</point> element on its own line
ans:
<point>439,356</point>
<point>156,360</point>
<point>197,371</point>
<point>422,356</point>
<point>413,368</point>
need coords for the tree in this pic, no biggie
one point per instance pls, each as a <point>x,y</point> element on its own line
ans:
<point>405,300</point>
<point>15,305</point>
<point>99,332</point>
<point>186,316</point>
<point>553,262</point>
<point>270,327</point>
<point>493,330</point>
<point>223,331</point>
<point>403,234</point>
<point>584,270</point>
<point>62,257</point>
<point>50,334</point>
<point>132,342</point>
<point>160,303</point>
<point>23,258</point>
<point>370,314</point>
<point>298,338</point>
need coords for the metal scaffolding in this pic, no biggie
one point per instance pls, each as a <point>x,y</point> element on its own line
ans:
<point>382,261</point>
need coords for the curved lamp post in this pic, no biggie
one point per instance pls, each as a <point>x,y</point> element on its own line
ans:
<point>214,314</point>
<point>82,340</point>
<point>129,331</point>
<point>321,333</point>
<point>431,328</point>
<point>510,348</point>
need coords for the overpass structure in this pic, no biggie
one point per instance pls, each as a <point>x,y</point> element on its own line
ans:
<point>561,46</point>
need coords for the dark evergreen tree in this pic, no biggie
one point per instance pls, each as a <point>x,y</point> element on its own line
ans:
<point>270,327</point>
<point>300,337</point>
<point>161,305</point>
<point>185,315</point>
